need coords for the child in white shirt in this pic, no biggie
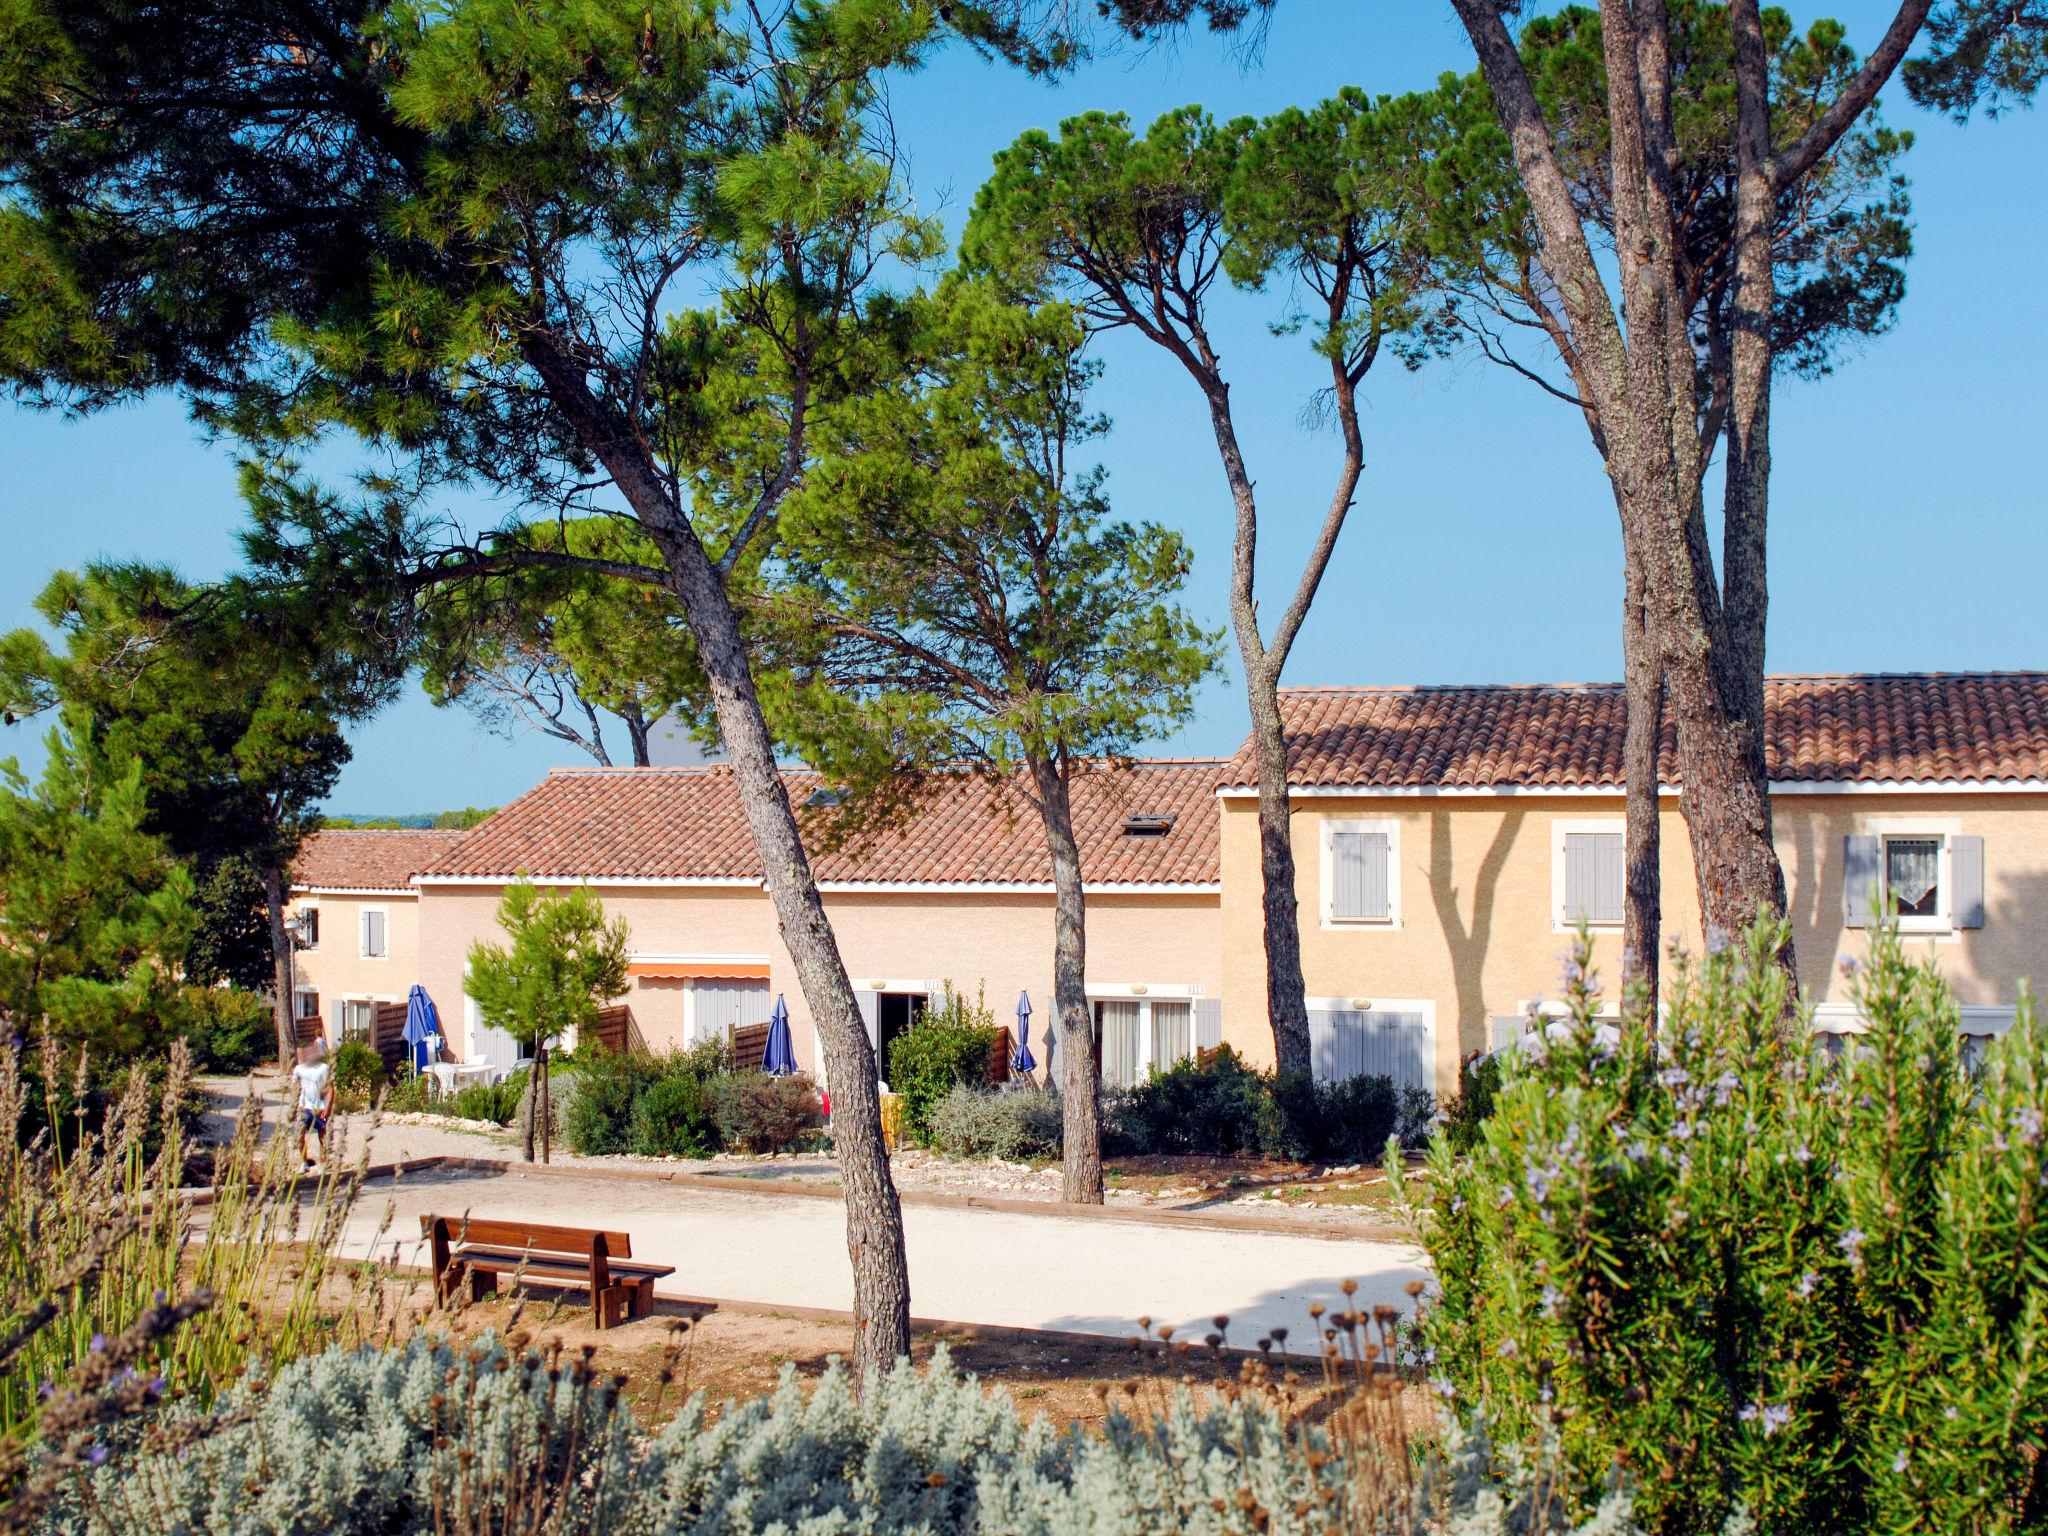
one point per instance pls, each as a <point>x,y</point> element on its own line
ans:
<point>315,1081</point>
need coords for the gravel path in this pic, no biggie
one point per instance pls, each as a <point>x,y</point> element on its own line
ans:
<point>1007,1268</point>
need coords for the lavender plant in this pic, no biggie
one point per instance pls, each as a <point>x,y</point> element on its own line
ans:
<point>1753,1279</point>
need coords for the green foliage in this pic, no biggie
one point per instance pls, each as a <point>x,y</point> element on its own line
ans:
<point>959,592</point>
<point>1212,1104</point>
<point>756,1113</point>
<point>1757,1278</point>
<point>599,1119</point>
<point>230,709</point>
<point>380,1441</point>
<point>229,1030</point>
<point>1465,1116</point>
<point>105,1270</point>
<point>538,647</point>
<point>564,963</point>
<point>358,1074</point>
<point>96,914</point>
<point>982,1122</point>
<point>497,1103</point>
<point>949,1046</point>
<point>672,1118</point>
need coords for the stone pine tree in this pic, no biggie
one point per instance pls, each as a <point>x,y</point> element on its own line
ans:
<point>232,709</point>
<point>98,912</point>
<point>1840,245</point>
<point>959,599</point>
<point>555,650</point>
<point>471,233</point>
<point>1629,317</point>
<point>563,964</point>
<point>1138,231</point>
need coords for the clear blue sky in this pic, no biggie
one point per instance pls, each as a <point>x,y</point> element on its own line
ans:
<point>1908,506</point>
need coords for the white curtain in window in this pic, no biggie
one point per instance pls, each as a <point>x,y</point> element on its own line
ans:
<point>1173,1034</point>
<point>1912,867</point>
<point>1119,1045</point>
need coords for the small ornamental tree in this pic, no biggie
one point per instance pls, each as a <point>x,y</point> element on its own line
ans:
<point>1753,1279</point>
<point>565,962</point>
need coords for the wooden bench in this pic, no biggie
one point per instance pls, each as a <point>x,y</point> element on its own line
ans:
<point>571,1257</point>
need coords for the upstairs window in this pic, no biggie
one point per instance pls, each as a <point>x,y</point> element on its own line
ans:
<point>373,933</point>
<point>1590,876</point>
<point>1924,867</point>
<point>1912,875</point>
<point>1360,876</point>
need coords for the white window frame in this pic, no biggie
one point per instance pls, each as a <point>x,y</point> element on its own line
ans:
<point>314,908</point>
<point>1145,994</point>
<point>299,993</point>
<point>363,932</point>
<point>1559,827</point>
<point>357,1000</point>
<point>1327,874</point>
<point>1942,923</point>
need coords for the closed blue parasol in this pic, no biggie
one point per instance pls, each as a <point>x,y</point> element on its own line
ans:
<point>779,1058</point>
<point>1021,1061</point>
<point>422,1028</point>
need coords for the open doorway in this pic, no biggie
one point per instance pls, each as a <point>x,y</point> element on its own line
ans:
<point>895,1012</point>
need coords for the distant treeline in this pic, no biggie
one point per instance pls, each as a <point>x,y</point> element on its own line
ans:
<point>440,820</point>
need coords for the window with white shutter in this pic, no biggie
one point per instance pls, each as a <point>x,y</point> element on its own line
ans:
<point>1361,872</point>
<point>1588,872</point>
<point>373,933</point>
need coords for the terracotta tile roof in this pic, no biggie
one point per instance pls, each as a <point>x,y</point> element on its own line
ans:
<point>369,860</point>
<point>1975,727</point>
<point>687,824</point>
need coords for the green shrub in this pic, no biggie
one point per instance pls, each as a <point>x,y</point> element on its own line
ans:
<point>1802,1291</point>
<point>229,1030</point>
<point>672,1119</point>
<point>358,1074</point>
<point>1348,1121</point>
<point>982,1122</point>
<point>358,1443</point>
<point>1210,1104</point>
<point>496,1103</point>
<point>754,1112</point>
<point>598,1119</point>
<point>949,1046</point>
<point>1466,1115</point>
<point>412,1094</point>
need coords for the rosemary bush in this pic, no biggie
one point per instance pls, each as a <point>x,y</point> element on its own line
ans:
<point>983,1122</point>
<point>1760,1282</point>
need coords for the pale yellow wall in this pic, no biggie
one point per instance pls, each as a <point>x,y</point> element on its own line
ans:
<point>1477,933</point>
<point>338,967</point>
<point>999,943</point>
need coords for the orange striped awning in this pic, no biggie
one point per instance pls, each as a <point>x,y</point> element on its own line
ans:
<point>698,970</point>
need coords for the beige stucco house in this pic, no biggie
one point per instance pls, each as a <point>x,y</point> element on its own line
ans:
<point>1446,840</point>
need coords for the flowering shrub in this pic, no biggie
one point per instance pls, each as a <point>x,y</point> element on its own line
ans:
<point>1757,1281</point>
<point>440,1437</point>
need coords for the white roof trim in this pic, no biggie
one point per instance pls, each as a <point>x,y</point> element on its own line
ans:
<point>1778,787</point>
<point>842,887</point>
<point>379,891</point>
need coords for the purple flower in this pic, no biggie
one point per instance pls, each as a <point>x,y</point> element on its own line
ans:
<point>1851,1244</point>
<point>1850,966</point>
<point>1808,1283</point>
<point>99,1344</point>
<point>1441,1385</point>
<point>1899,1462</point>
<point>97,1455</point>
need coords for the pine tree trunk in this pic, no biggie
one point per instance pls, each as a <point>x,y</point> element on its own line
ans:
<point>544,1113</point>
<point>1080,1074</point>
<point>1286,991</point>
<point>1642,920</point>
<point>874,1218</point>
<point>281,978</point>
<point>532,1104</point>
<point>637,731</point>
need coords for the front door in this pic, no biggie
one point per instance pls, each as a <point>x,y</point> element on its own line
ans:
<point>895,1012</point>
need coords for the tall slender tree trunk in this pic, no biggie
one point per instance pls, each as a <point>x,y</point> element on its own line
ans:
<point>637,732</point>
<point>874,1217</point>
<point>281,978</point>
<point>1279,907</point>
<point>1642,910</point>
<point>544,1099</point>
<point>531,1118</point>
<point>1079,1074</point>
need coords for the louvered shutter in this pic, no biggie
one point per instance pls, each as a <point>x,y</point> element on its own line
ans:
<point>1208,1023</point>
<point>1859,881</point>
<point>1592,877</point>
<point>1359,875</point>
<point>1966,871</point>
<point>866,1003</point>
<point>340,1015</point>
